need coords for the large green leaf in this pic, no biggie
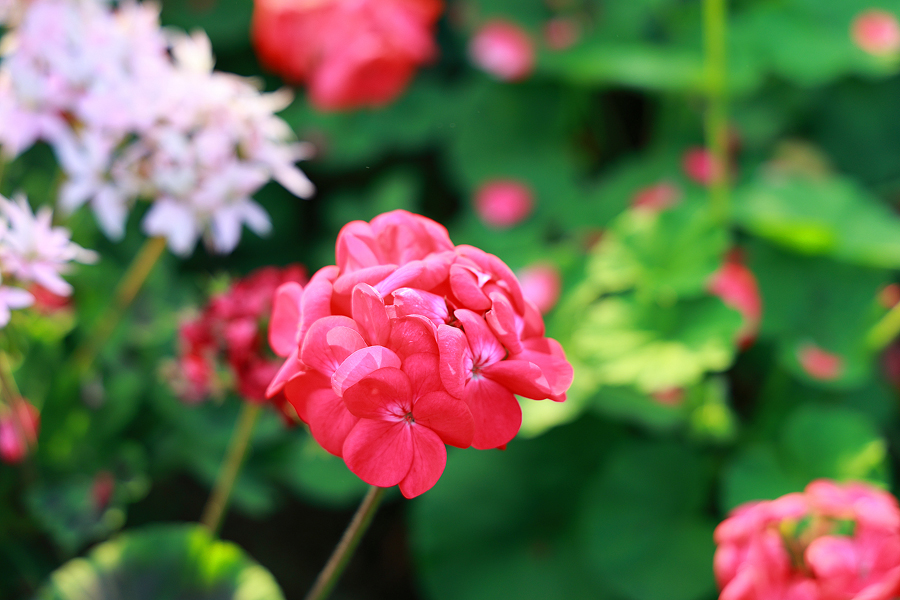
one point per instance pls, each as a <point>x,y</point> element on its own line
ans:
<point>664,255</point>
<point>644,526</point>
<point>815,441</point>
<point>655,347</point>
<point>163,562</point>
<point>827,216</point>
<point>499,524</point>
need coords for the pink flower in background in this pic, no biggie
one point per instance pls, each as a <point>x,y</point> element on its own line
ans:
<point>350,53</point>
<point>502,203</point>
<point>699,165</point>
<point>541,284</point>
<point>442,333</point>
<point>503,49</point>
<point>831,542</point>
<point>561,33</point>
<point>889,296</point>
<point>657,197</point>
<point>736,285</point>
<point>231,330</point>
<point>819,363</point>
<point>876,32</point>
<point>669,397</point>
<point>19,427</point>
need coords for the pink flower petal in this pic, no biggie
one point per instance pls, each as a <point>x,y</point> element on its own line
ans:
<point>425,274</point>
<point>329,420</point>
<point>412,335</point>
<point>328,342</point>
<point>411,301</point>
<point>424,374</point>
<point>548,354</point>
<point>316,301</point>
<point>447,416</point>
<point>303,385</point>
<point>291,367</point>
<point>502,321</point>
<point>370,314</point>
<point>455,359</point>
<point>496,413</point>
<point>344,284</point>
<point>285,321</point>
<point>467,288</point>
<point>485,348</point>
<point>429,460</point>
<point>356,247</point>
<point>383,394</point>
<point>380,452</point>
<point>360,364</point>
<point>520,377</point>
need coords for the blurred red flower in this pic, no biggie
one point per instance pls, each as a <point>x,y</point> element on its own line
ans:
<point>819,363</point>
<point>876,32</point>
<point>736,285</point>
<point>350,53</point>
<point>831,542</point>
<point>504,50</point>
<point>19,426</point>
<point>231,329</point>
<point>502,203</point>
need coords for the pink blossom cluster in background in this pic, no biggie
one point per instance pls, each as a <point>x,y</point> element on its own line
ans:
<point>830,542</point>
<point>33,253</point>
<point>19,425</point>
<point>232,329</point>
<point>134,111</point>
<point>407,344</point>
<point>350,53</point>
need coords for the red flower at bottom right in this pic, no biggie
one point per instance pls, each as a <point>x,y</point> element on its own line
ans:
<point>830,542</point>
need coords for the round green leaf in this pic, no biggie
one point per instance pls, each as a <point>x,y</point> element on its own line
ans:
<point>163,562</point>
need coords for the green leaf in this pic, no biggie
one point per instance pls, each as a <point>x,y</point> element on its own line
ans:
<point>662,254</point>
<point>827,216</point>
<point>317,475</point>
<point>499,524</point>
<point>653,347</point>
<point>829,304</point>
<point>814,442</point>
<point>163,562</point>
<point>644,527</point>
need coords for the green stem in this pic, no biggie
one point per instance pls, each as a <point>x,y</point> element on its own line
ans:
<point>128,288</point>
<point>885,330</point>
<point>715,28</point>
<point>237,451</point>
<point>345,548</point>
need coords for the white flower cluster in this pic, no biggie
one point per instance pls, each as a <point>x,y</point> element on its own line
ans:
<point>32,251</point>
<point>134,111</point>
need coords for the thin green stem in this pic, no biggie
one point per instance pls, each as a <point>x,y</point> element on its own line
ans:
<point>885,330</point>
<point>128,288</point>
<point>345,548</point>
<point>715,29</point>
<point>237,451</point>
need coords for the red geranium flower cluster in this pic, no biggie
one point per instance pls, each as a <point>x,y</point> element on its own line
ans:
<point>19,426</point>
<point>351,53</point>
<point>232,327</point>
<point>407,344</point>
<point>831,542</point>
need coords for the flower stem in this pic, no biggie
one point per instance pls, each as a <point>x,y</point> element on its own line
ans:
<point>345,548</point>
<point>715,27</point>
<point>127,289</point>
<point>237,451</point>
<point>885,330</point>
